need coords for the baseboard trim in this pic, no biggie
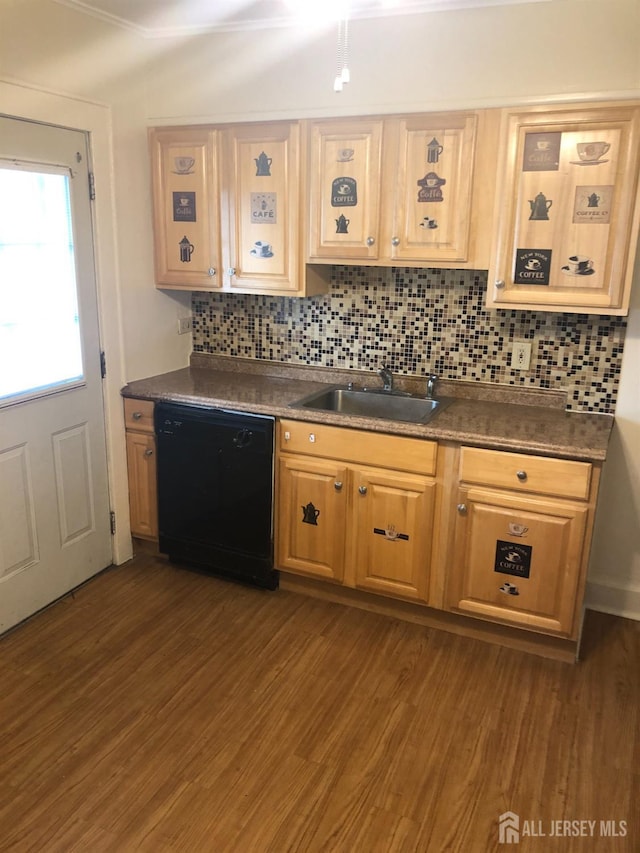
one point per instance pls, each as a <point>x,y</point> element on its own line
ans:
<point>617,600</point>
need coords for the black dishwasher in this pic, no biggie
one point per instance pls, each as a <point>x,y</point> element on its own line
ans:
<point>215,491</point>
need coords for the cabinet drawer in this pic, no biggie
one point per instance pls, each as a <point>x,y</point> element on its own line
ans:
<point>522,473</point>
<point>358,446</point>
<point>138,414</point>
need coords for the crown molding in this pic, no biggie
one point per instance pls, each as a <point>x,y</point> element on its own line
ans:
<point>408,7</point>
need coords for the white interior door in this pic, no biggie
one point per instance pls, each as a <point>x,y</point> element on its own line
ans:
<point>54,502</point>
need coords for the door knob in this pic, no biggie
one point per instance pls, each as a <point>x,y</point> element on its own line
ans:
<point>462,509</point>
<point>136,416</point>
<point>231,271</point>
<point>521,475</point>
<point>362,490</point>
<point>211,272</point>
<point>371,241</point>
<point>148,452</point>
<point>499,283</point>
<point>395,241</point>
<point>337,485</point>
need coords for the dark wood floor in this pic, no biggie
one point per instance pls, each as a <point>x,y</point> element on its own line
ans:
<point>161,710</point>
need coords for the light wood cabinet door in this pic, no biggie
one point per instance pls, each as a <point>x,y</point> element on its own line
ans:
<point>143,490</point>
<point>344,178</point>
<point>391,532</point>
<point>185,208</point>
<point>568,209</point>
<point>311,516</point>
<point>429,165</point>
<point>518,559</point>
<point>262,229</point>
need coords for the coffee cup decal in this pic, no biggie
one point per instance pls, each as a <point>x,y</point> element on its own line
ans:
<point>430,187</point>
<point>592,152</point>
<point>261,249</point>
<point>345,155</point>
<point>578,265</point>
<point>186,250</point>
<point>428,222</point>
<point>184,165</point>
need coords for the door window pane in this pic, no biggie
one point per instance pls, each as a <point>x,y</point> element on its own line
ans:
<point>40,348</point>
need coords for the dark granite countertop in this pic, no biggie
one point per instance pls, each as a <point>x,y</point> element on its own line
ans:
<point>482,415</point>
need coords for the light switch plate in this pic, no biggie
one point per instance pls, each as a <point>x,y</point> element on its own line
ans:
<point>520,355</point>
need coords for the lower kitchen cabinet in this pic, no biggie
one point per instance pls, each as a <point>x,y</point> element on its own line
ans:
<point>519,550</point>
<point>361,526</point>
<point>141,468</point>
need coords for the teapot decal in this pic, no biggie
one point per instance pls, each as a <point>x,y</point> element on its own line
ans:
<point>540,207</point>
<point>263,165</point>
<point>310,514</point>
<point>342,224</point>
<point>593,200</point>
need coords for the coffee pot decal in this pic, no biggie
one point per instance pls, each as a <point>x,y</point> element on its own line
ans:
<point>310,514</point>
<point>434,150</point>
<point>263,165</point>
<point>540,207</point>
<point>342,224</point>
<point>186,250</point>
<point>593,200</point>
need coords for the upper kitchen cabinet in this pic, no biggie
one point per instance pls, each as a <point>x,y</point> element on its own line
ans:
<point>185,208</point>
<point>262,219</point>
<point>567,209</point>
<point>403,190</point>
<point>345,163</point>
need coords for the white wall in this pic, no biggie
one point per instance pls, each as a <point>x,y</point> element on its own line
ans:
<point>547,52</point>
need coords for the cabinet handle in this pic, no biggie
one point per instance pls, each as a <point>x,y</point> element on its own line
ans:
<point>231,271</point>
<point>521,475</point>
<point>395,241</point>
<point>362,490</point>
<point>462,509</point>
<point>312,437</point>
<point>136,416</point>
<point>371,241</point>
<point>499,283</point>
<point>211,272</point>
<point>337,486</point>
<point>148,452</point>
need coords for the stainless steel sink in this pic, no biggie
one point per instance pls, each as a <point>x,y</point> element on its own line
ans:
<point>373,404</point>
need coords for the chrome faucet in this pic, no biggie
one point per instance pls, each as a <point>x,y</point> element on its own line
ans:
<point>387,378</point>
<point>431,385</point>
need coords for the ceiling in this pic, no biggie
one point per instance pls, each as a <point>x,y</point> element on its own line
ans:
<point>157,18</point>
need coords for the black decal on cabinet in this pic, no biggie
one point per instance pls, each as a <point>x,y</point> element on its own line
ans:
<point>430,187</point>
<point>344,192</point>
<point>184,207</point>
<point>532,266</point>
<point>263,165</point>
<point>390,533</point>
<point>186,250</point>
<point>342,224</point>
<point>310,514</point>
<point>541,152</point>
<point>264,208</point>
<point>513,558</point>
<point>434,150</point>
<point>540,206</point>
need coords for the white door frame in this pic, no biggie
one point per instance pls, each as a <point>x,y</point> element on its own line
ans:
<point>21,100</point>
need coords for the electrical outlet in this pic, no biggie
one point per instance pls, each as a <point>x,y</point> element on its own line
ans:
<point>184,325</point>
<point>520,355</point>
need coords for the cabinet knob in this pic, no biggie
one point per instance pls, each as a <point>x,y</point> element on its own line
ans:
<point>148,452</point>
<point>499,283</point>
<point>395,241</point>
<point>211,272</point>
<point>136,416</point>
<point>462,509</point>
<point>371,241</point>
<point>312,437</point>
<point>362,490</point>
<point>337,485</point>
<point>231,271</point>
<point>521,475</point>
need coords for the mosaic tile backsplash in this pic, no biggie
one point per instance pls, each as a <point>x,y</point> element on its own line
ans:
<point>419,321</point>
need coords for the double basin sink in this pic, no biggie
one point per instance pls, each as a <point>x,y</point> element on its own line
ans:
<point>373,403</point>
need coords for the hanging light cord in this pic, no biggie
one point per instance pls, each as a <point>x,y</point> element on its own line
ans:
<point>343,75</point>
